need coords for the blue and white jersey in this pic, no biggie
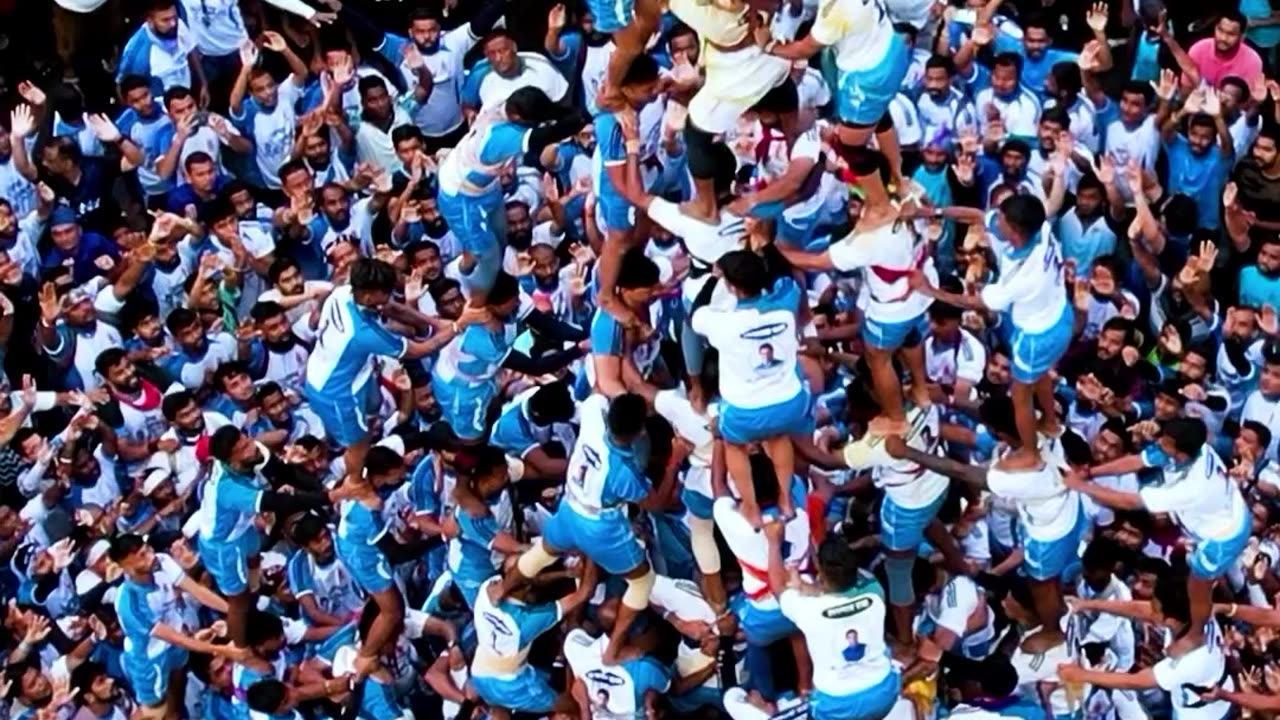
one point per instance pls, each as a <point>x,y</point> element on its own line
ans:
<point>341,364</point>
<point>474,356</point>
<point>163,60</point>
<point>358,230</point>
<point>1019,111</point>
<point>487,90</point>
<point>217,25</point>
<point>141,607</point>
<point>192,370</point>
<point>331,585</point>
<point>961,607</point>
<point>608,337</point>
<point>471,557</point>
<point>611,151</point>
<point>1199,494</point>
<point>442,112</point>
<point>271,129</point>
<point>602,476</point>
<point>506,631</point>
<point>704,242</point>
<point>517,434</point>
<point>1031,285</point>
<point>79,130</point>
<point>19,191</point>
<point>231,500</point>
<point>152,135</point>
<point>1047,509</point>
<point>24,249</point>
<point>758,341</point>
<point>908,484</point>
<point>616,692</point>
<point>953,112</point>
<point>860,30</point>
<point>493,146</point>
<point>244,677</point>
<point>359,530</point>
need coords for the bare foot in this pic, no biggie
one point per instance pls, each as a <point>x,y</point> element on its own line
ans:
<point>904,653</point>
<point>920,396</point>
<point>1042,641</point>
<point>886,426</point>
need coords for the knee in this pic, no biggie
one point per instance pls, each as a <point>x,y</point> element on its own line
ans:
<point>638,590</point>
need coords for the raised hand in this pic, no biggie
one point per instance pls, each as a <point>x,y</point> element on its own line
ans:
<point>1195,101</point>
<point>1229,194</point>
<point>578,280</point>
<point>413,287</point>
<point>1097,17</point>
<point>1212,103</point>
<point>1207,258</point>
<point>556,17</point>
<point>983,34</point>
<point>1106,170</point>
<point>1167,85</point>
<point>968,140</point>
<point>50,304</point>
<point>274,41</point>
<point>31,93</point>
<point>248,53</point>
<point>21,122</point>
<point>964,167</point>
<point>413,57</point>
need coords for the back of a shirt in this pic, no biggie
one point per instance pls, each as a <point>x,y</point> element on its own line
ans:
<point>342,363</point>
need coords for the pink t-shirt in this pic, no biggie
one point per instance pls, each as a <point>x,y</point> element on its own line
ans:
<point>1244,64</point>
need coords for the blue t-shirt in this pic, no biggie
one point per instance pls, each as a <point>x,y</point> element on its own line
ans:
<point>1257,289</point>
<point>1200,177</point>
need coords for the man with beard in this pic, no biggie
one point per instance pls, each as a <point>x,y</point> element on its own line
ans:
<point>239,488</point>
<point>164,50</point>
<point>157,641</point>
<point>71,336</point>
<point>134,413</point>
<point>1257,187</point>
<point>1197,168</point>
<point>234,398</point>
<point>280,351</point>
<point>184,447</point>
<point>267,117</point>
<point>293,422</point>
<point>296,296</point>
<point>1259,283</point>
<point>195,355</point>
<point>425,261</point>
<point>340,219</point>
<point>1225,54</point>
<point>88,254</point>
<point>97,694</point>
<point>381,114</point>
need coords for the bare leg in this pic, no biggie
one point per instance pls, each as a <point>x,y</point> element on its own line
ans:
<point>175,700</point>
<point>903,614</point>
<point>1200,593</point>
<point>914,358</point>
<point>1025,418</point>
<point>1047,597</point>
<point>783,457</point>
<point>616,244</point>
<point>629,42</point>
<point>804,664</point>
<point>1048,406</point>
<point>390,616</point>
<point>238,616</point>
<point>626,615</point>
<point>353,460</point>
<point>738,463</point>
<point>888,392</point>
<point>888,143</point>
<point>946,544</point>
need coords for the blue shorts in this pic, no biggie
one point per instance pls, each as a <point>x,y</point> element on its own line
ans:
<point>1212,558</point>
<point>863,96</point>
<point>872,703</point>
<point>903,528</point>
<point>698,505</point>
<point>762,627</point>
<point>612,15</point>
<point>746,425</point>
<point>368,566</point>
<point>228,562</point>
<point>1034,354</point>
<point>149,677</point>
<point>343,418</point>
<point>526,691</point>
<point>479,223</point>
<point>1050,559</point>
<point>608,539</point>
<point>465,406</point>
<point>893,335</point>
<point>615,213</point>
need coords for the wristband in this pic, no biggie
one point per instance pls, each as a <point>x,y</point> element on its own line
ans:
<point>633,147</point>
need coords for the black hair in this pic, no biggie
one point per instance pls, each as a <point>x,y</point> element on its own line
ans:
<point>122,546</point>
<point>307,528</point>
<point>637,271</point>
<point>1057,115</point>
<point>262,627</point>
<point>1181,214</point>
<point>552,403</point>
<point>1234,15</point>
<point>371,82</point>
<point>181,319</point>
<point>1171,593</point>
<point>370,275</point>
<point>218,209</point>
<point>198,157</point>
<point>174,403</point>
<point>746,271</point>
<point>266,696</point>
<point>1066,75</point>
<point>85,673</point>
<point>531,106</point>
<point>626,415</point>
<point>996,412</point>
<point>942,311</point>
<point>1024,212</point>
<point>1102,553</point>
<point>382,460</point>
<point>224,441</point>
<point>405,132</point>
<point>228,370</point>
<point>840,568</point>
<point>1017,146</point>
<point>1008,59</point>
<point>129,83</point>
<point>265,310</point>
<point>504,290</point>
<point>108,359</point>
<point>1262,431</point>
<point>941,61</point>
<point>1188,434</point>
<point>644,69</point>
<point>267,389</point>
<point>279,266</point>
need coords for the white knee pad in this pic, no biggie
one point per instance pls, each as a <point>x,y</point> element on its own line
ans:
<point>534,560</point>
<point>702,536</point>
<point>636,596</point>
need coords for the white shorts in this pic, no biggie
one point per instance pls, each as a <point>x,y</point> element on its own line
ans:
<point>735,82</point>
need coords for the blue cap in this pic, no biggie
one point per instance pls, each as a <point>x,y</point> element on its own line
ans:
<point>63,215</point>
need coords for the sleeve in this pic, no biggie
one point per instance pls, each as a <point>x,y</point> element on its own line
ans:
<point>505,141</point>
<point>1021,284</point>
<point>1153,456</point>
<point>680,413</point>
<point>538,619</point>
<point>471,88</point>
<point>381,341</point>
<point>606,334</point>
<point>668,215</point>
<point>300,581</point>
<point>627,482</point>
<point>135,60</point>
<point>479,531</point>
<point>613,147</point>
<point>848,255</point>
<point>378,702</point>
<point>832,22</point>
<point>135,618</point>
<point>392,48</point>
<point>971,362</point>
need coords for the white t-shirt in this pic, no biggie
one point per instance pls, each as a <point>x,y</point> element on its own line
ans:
<point>1030,284</point>
<point>908,484</point>
<point>1202,498</point>
<point>751,548</point>
<point>961,607</point>
<point>1203,667</point>
<point>887,254</point>
<point>965,360</point>
<point>845,636</point>
<point>1046,508</point>
<point>861,31</point>
<point>758,344</point>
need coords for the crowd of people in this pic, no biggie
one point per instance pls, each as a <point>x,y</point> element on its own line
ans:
<point>620,359</point>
